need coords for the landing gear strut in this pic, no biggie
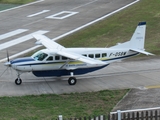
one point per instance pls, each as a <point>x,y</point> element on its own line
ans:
<point>72,80</point>
<point>18,81</point>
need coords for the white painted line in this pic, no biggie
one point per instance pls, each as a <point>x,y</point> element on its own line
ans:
<point>20,40</point>
<point>66,14</point>
<point>44,11</point>
<point>22,6</point>
<point>10,34</point>
<point>84,5</point>
<point>61,36</point>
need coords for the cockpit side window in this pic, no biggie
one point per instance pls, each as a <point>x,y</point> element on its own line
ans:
<point>40,56</point>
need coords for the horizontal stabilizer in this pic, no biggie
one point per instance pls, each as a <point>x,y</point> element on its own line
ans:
<point>141,51</point>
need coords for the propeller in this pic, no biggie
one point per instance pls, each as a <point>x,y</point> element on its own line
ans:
<point>8,56</point>
<point>8,67</point>
<point>8,63</point>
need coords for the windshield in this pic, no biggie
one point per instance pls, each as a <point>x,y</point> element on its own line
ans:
<point>39,56</point>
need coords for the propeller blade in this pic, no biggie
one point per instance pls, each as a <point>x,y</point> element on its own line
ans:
<point>7,56</point>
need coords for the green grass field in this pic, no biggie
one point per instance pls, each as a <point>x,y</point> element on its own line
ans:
<point>47,107</point>
<point>6,4</point>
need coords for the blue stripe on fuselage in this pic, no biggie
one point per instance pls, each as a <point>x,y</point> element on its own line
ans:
<point>19,60</point>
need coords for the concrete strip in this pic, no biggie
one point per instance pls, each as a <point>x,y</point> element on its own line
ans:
<point>20,40</point>
<point>12,33</point>
<point>84,5</point>
<point>72,31</point>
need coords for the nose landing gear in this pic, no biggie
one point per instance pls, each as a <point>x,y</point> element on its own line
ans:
<point>18,81</point>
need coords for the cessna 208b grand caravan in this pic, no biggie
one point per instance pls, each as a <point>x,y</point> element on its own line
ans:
<point>57,60</point>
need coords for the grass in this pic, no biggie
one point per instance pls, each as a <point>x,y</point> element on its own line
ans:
<point>6,4</point>
<point>16,1</point>
<point>120,27</point>
<point>50,106</point>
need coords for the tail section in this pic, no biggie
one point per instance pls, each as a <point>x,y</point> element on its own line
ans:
<point>137,40</point>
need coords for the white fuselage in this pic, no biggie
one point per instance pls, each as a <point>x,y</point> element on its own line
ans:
<point>52,61</point>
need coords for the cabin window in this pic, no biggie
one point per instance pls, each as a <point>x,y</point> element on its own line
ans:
<point>50,58</point>
<point>91,55</point>
<point>85,55</point>
<point>64,58</point>
<point>104,54</point>
<point>57,57</point>
<point>97,55</point>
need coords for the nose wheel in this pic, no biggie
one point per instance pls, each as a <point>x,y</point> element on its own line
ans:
<point>18,81</point>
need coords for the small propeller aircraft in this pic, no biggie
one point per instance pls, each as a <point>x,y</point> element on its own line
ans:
<point>57,60</point>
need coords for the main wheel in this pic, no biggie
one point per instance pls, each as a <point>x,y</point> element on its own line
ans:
<point>72,81</point>
<point>18,81</point>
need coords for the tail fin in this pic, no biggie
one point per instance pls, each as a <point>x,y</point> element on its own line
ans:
<point>137,40</point>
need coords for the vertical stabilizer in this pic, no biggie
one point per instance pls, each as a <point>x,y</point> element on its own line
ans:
<point>138,38</point>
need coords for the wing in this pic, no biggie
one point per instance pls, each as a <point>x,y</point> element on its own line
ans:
<point>79,57</point>
<point>48,43</point>
<point>60,50</point>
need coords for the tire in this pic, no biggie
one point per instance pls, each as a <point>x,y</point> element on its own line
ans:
<point>72,81</point>
<point>18,81</point>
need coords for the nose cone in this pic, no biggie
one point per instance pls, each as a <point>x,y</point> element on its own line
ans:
<point>8,64</point>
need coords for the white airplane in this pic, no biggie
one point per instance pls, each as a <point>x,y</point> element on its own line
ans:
<point>57,60</point>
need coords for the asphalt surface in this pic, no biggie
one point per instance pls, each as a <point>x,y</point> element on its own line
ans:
<point>50,17</point>
<point>141,74</point>
<point>54,19</point>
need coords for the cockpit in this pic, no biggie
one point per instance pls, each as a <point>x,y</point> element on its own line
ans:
<point>40,56</point>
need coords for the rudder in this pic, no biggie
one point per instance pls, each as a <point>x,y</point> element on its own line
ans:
<point>138,38</point>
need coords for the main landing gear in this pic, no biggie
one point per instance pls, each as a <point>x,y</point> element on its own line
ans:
<point>72,80</point>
